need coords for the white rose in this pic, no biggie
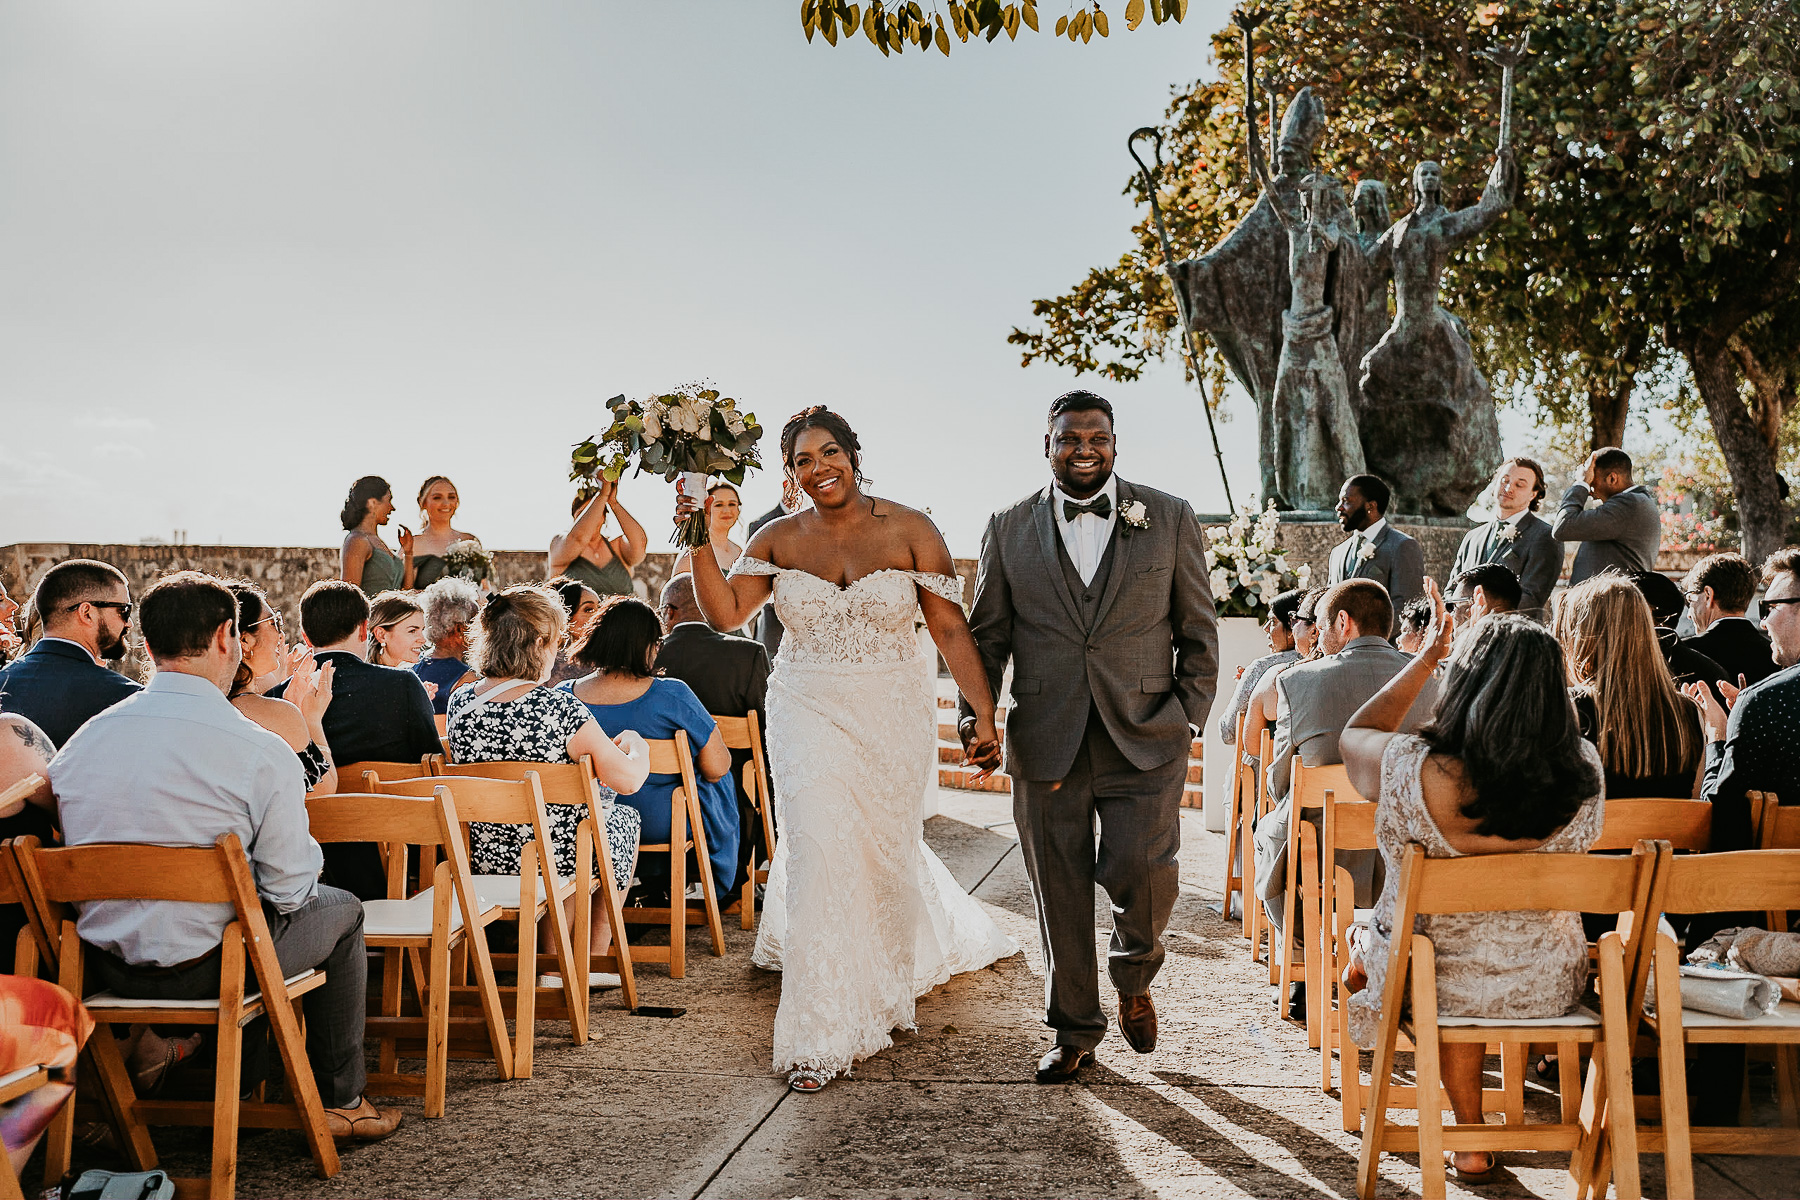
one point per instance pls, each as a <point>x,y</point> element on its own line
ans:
<point>1218,533</point>
<point>1281,564</point>
<point>1305,573</point>
<point>652,427</point>
<point>703,428</point>
<point>1212,560</point>
<point>1221,581</point>
<point>734,423</point>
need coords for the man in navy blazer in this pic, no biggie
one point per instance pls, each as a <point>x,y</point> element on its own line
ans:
<point>377,714</point>
<point>85,607</point>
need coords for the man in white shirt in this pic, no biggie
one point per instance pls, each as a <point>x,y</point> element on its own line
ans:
<point>177,765</point>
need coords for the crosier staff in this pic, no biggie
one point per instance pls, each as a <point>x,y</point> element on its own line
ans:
<point>1189,333</point>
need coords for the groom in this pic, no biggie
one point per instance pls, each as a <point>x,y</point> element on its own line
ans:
<point>1096,590</point>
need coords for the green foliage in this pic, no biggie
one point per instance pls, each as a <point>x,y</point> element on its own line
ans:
<point>1653,136</point>
<point>893,25</point>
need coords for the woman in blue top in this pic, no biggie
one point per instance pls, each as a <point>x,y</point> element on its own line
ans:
<point>623,692</point>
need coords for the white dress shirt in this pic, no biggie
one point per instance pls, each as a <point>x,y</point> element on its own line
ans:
<point>1086,537</point>
<point>177,765</point>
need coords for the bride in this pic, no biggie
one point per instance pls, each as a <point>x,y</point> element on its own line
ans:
<point>861,916</point>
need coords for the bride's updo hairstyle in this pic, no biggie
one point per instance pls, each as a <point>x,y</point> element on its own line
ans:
<point>820,417</point>
<point>356,505</point>
<point>1505,713</point>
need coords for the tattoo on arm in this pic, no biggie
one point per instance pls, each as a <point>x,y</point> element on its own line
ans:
<point>33,737</point>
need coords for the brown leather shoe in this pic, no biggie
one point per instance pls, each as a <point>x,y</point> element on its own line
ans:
<point>1060,1065</point>
<point>364,1123</point>
<point>1137,1021</point>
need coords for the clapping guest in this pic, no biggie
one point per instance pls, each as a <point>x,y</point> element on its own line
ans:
<point>85,609</point>
<point>510,715</point>
<point>1719,590</point>
<point>438,503</point>
<point>587,555</point>
<point>451,606</point>
<point>1626,702</point>
<point>1501,768</point>
<point>396,630</point>
<point>365,559</point>
<point>298,717</point>
<point>581,604</point>
<point>1278,629</point>
<point>622,691</point>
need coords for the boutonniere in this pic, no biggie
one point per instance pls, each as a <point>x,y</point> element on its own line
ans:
<point>1509,533</point>
<point>1368,552</point>
<point>1135,514</point>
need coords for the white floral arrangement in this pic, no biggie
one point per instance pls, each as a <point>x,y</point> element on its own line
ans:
<point>1247,564</point>
<point>692,432</point>
<point>468,560</point>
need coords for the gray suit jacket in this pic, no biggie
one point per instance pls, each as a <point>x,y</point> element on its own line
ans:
<point>1398,566</point>
<point>1624,532</point>
<point>1150,665</point>
<point>1534,556</point>
<point>1315,701</point>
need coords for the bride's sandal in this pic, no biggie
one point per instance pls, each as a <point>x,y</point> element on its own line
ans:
<point>807,1081</point>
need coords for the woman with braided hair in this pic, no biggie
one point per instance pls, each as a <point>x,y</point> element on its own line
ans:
<point>861,917</point>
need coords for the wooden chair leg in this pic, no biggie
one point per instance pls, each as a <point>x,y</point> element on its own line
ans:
<point>525,1008</point>
<point>715,924</point>
<point>437,1028</point>
<point>1512,1080</point>
<point>1671,1051</point>
<point>391,986</point>
<point>1311,939</point>
<point>1612,1070</point>
<point>1428,1076</point>
<point>1787,1085</point>
<point>678,841</point>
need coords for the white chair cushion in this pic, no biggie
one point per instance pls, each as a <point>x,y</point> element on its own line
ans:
<point>410,918</point>
<point>108,1000</point>
<point>503,890</point>
<point>1581,1015</point>
<point>1785,1016</point>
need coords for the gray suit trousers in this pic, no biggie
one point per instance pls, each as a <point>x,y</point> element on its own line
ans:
<point>325,932</point>
<point>1140,834</point>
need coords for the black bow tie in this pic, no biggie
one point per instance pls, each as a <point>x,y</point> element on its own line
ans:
<point>1100,506</point>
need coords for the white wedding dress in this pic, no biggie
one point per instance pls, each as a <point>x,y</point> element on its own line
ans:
<point>860,917</point>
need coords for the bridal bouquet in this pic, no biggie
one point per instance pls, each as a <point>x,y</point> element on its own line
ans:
<point>690,433</point>
<point>467,560</point>
<point>1247,565</point>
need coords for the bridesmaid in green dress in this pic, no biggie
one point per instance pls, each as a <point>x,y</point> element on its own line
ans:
<point>438,503</point>
<point>585,554</point>
<point>365,559</point>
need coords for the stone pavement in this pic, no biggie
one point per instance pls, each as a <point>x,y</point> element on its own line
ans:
<point>1227,1106</point>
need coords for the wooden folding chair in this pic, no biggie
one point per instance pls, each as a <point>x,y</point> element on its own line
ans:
<point>443,918</point>
<point>1262,945</point>
<point>1237,868</point>
<point>1685,824</point>
<point>535,893</point>
<point>1778,827</point>
<point>1349,824</point>
<point>577,784</point>
<point>1298,957</point>
<point>31,951</point>
<point>687,831</point>
<point>388,772</point>
<point>1512,883</point>
<point>1708,883</point>
<point>58,879</point>
<point>745,733</point>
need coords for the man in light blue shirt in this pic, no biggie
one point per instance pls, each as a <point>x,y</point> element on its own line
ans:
<point>177,765</point>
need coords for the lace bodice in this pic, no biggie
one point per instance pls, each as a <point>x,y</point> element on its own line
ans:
<point>871,621</point>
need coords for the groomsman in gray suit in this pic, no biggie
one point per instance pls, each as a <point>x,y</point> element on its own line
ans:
<point>1623,533</point>
<point>1518,539</point>
<point>1314,701</point>
<point>1095,590</point>
<point>1376,550</point>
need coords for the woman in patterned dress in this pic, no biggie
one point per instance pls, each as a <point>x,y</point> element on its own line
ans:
<point>512,716</point>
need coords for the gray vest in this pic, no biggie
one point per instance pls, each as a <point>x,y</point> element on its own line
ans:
<point>1087,595</point>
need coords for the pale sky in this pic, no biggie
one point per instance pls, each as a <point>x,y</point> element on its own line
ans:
<point>249,252</point>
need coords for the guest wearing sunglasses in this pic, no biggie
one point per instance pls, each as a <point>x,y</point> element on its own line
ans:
<point>85,609</point>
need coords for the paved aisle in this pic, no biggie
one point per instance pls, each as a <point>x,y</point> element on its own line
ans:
<point>684,1108</point>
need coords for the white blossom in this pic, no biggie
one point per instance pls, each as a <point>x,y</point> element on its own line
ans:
<point>1221,581</point>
